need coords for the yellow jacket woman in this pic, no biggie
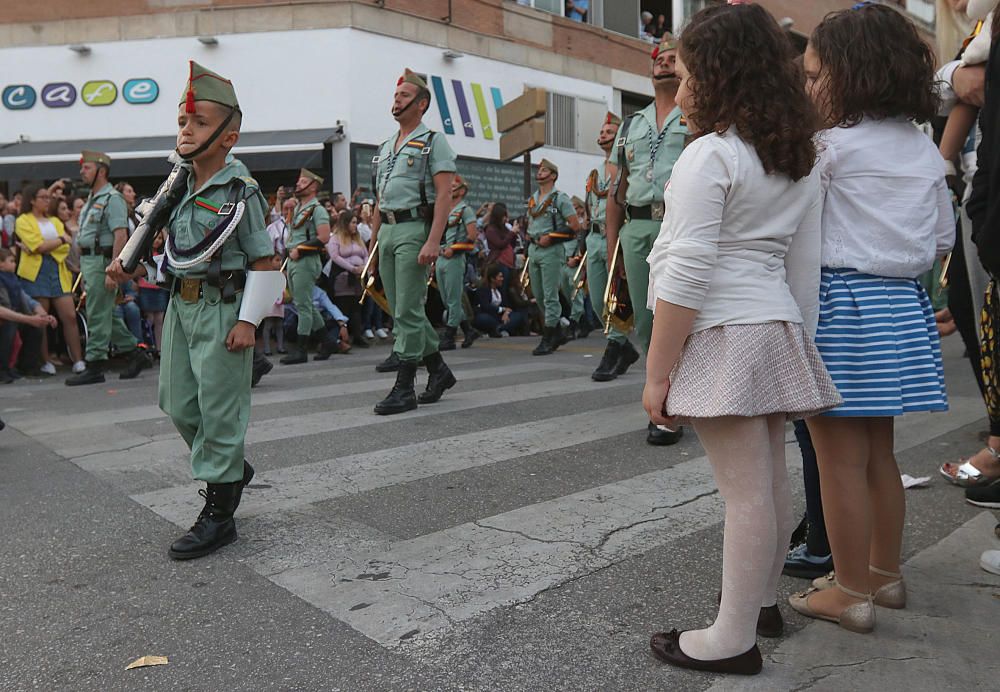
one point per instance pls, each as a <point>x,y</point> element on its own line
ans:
<point>31,233</point>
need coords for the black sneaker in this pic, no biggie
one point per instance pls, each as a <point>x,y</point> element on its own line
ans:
<point>802,564</point>
<point>138,361</point>
<point>984,496</point>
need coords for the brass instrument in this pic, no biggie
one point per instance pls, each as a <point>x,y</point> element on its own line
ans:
<point>371,284</point>
<point>617,308</point>
<point>525,279</point>
<point>579,276</point>
<point>432,277</point>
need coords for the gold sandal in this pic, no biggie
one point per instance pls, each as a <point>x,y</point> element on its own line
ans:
<point>891,595</point>
<point>858,617</point>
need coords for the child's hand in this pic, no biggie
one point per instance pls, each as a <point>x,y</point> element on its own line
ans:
<point>241,337</point>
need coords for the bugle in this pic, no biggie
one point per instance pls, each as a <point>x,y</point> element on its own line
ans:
<point>579,276</point>
<point>371,286</point>
<point>617,307</point>
<point>525,278</point>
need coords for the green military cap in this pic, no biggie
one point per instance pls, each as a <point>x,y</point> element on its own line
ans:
<point>411,77</point>
<point>577,201</point>
<point>612,119</point>
<point>205,85</point>
<point>460,182</point>
<point>87,156</point>
<point>668,42</point>
<point>548,164</point>
<point>305,173</point>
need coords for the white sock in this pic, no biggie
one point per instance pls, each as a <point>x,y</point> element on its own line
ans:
<point>740,452</point>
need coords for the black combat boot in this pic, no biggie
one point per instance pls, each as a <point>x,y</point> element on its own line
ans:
<point>547,344</point>
<point>138,361</point>
<point>606,369</point>
<point>297,353</point>
<point>447,342</point>
<point>584,328</point>
<point>325,347</point>
<point>248,474</point>
<point>93,374</point>
<point>663,437</point>
<point>560,336</point>
<point>439,379</point>
<point>261,366</point>
<point>628,356</point>
<point>215,526</point>
<point>390,364</point>
<point>471,334</point>
<point>569,333</point>
<point>402,397</point>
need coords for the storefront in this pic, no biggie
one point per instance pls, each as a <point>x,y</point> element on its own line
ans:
<point>318,98</point>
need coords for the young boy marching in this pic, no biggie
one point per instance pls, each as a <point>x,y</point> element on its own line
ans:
<point>222,284</point>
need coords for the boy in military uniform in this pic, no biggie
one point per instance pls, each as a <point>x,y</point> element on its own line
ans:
<point>458,239</point>
<point>619,354</point>
<point>309,233</point>
<point>215,306</point>
<point>552,227</point>
<point>646,149</point>
<point>103,232</point>
<point>413,168</point>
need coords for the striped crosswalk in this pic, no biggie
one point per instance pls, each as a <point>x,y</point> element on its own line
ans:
<point>525,477</point>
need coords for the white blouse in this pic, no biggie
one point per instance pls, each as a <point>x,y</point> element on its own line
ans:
<point>736,244</point>
<point>887,209</point>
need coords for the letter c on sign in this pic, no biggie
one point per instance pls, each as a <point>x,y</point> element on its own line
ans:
<point>140,91</point>
<point>19,97</point>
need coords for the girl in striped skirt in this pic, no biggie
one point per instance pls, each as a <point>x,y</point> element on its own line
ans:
<point>887,215</point>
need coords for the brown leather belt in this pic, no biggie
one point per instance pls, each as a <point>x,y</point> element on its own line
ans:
<point>191,290</point>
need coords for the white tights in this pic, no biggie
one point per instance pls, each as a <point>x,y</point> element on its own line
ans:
<point>748,461</point>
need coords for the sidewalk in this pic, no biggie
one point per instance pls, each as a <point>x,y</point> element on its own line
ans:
<point>946,639</point>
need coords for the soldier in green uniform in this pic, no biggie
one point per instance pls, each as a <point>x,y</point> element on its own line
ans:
<point>215,305</point>
<point>574,255</point>
<point>309,233</point>
<point>412,169</point>
<point>103,232</point>
<point>459,238</point>
<point>646,149</point>
<point>619,353</point>
<point>552,225</point>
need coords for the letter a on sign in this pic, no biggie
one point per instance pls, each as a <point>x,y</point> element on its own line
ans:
<point>59,95</point>
<point>99,93</point>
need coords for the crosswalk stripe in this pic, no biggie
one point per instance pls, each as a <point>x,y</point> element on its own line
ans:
<point>171,448</point>
<point>294,486</point>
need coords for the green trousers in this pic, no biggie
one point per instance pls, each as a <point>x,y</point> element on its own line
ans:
<point>302,275</point>
<point>575,304</point>
<point>546,272</point>
<point>597,278</point>
<point>637,238</point>
<point>103,328</point>
<point>405,282</point>
<point>450,273</point>
<point>204,388</point>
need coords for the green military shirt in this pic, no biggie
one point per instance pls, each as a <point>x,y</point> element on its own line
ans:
<point>197,215</point>
<point>457,230</point>
<point>597,205</point>
<point>635,153</point>
<point>397,173</point>
<point>103,213</point>
<point>305,220</point>
<point>555,216</point>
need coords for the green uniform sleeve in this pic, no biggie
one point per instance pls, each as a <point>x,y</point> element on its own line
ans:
<point>116,212</point>
<point>468,216</point>
<point>565,206</point>
<point>320,216</point>
<point>442,158</point>
<point>252,231</point>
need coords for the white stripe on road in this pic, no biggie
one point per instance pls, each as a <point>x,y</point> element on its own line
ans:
<point>295,486</point>
<point>172,449</point>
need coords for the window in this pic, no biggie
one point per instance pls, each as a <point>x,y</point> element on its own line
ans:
<point>633,102</point>
<point>573,123</point>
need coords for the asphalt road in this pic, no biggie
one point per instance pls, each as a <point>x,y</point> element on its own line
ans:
<point>518,535</point>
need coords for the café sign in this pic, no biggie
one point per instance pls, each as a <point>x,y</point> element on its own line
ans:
<point>95,93</point>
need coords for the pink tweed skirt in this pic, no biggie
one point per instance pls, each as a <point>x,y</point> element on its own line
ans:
<point>750,370</point>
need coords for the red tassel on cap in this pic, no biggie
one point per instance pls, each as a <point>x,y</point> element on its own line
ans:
<point>189,102</point>
<point>656,52</point>
<point>399,81</point>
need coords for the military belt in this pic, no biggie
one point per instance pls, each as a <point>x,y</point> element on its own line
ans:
<point>191,290</point>
<point>403,215</point>
<point>650,212</point>
<point>95,251</point>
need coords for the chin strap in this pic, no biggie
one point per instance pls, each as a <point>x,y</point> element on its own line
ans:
<point>215,135</point>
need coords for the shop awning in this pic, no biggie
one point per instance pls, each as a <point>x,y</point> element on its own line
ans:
<point>140,156</point>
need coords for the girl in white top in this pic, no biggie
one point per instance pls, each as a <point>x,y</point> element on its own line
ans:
<point>734,284</point>
<point>887,214</point>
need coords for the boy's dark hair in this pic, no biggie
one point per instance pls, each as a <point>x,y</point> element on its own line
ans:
<point>750,83</point>
<point>877,66</point>
<point>5,254</point>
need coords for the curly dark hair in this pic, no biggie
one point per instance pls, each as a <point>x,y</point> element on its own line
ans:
<point>876,65</point>
<point>743,75</point>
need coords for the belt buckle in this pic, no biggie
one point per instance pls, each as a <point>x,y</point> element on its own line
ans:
<point>656,211</point>
<point>391,216</point>
<point>226,209</point>
<point>190,289</point>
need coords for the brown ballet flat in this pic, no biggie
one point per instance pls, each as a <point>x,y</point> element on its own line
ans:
<point>770,624</point>
<point>666,647</point>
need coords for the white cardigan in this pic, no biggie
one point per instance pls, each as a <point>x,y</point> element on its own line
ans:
<point>736,244</point>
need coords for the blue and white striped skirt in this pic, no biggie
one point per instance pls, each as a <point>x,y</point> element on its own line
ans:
<point>879,341</point>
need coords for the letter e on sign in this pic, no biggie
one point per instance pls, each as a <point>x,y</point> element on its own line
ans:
<point>19,97</point>
<point>140,91</point>
<point>59,95</point>
<point>99,93</point>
